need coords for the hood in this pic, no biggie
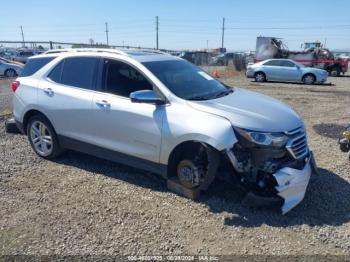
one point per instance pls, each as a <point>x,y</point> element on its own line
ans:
<point>315,70</point>
<point>253,111</point>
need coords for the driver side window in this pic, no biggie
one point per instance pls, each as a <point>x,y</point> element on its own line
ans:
<point>122,79</point>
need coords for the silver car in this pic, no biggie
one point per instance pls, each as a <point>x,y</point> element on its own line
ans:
<point>285,70</point>
<point>9,69</point>
<point>161,113</point>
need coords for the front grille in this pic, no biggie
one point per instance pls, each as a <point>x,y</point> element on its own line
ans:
<point>297,144</point>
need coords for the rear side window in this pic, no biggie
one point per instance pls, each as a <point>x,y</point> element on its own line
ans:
<point>273,63</point>
<point>26,53</point>
<point>287,63</point>
<point>76,71</point>
<point>35,64</point>
<point>56,73</point>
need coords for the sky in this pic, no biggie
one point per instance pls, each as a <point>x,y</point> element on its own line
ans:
<point>183,24</point>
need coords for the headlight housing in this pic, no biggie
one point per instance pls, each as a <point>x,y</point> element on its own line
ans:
<point>268,139</point>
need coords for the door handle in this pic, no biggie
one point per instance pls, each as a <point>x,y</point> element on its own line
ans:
<point>103,103</point>
<point>48,91</point>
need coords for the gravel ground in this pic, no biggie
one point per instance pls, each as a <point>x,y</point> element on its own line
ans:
<point>80,205</point>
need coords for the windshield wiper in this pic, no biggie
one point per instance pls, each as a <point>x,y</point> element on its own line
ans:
<point>224,93</point>
<point>198,98</point>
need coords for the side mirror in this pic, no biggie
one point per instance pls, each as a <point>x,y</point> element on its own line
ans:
<point>146,96</point>
<point>298,67</point>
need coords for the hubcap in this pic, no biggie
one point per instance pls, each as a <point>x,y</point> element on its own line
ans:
<point>259,77</point>
<point>10,73</point>
<point>41,138</point>
<point>309,79</point>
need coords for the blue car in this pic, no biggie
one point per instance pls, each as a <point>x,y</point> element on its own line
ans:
<point>285,70</point>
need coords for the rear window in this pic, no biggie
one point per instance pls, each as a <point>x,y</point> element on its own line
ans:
<point>35,64</point>
<point>26,53</point>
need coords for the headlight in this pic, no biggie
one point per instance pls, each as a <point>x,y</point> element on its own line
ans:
<point>265,139</point>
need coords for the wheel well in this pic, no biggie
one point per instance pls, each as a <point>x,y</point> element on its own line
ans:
<point>260,72</point>
<point>10,69</point>
<point>177,152</point>
<point>28,115</point>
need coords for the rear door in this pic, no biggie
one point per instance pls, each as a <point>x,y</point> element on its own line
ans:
<point>66,96</point>
<point>289,71</point>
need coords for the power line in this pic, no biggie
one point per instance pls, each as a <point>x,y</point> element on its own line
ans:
<point>288,28</point>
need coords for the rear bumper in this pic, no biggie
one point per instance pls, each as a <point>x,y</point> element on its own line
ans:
<point>292,183</point>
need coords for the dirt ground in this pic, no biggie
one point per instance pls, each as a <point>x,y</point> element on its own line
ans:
<point>80,205</point>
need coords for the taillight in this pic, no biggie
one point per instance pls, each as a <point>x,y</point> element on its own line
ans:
<point>15,85</point>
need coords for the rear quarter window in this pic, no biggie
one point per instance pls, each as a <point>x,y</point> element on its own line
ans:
<point>35,64</point>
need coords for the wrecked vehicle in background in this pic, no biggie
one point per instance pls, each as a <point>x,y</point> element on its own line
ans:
<point>236,60</point>
<point>344,141</point>
<point>196,57</point>
<point>165,115</point>
<point>314,55</point>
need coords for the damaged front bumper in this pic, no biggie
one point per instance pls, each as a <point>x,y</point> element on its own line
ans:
<point>292,183</point>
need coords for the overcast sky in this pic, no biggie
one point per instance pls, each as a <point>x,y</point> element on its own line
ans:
<point>183,24</point>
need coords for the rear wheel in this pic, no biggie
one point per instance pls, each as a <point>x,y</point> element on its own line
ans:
<point>42,137</point>
<point>260,77</point>
<point>10,73</point>
<point>309,79</point>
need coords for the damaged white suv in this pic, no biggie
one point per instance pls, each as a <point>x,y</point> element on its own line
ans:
<point>160,113</point>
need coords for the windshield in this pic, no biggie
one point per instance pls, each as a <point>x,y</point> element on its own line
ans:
<point>187,81</point>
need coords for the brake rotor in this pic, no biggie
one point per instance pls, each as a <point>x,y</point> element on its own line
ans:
<point>188,173</point>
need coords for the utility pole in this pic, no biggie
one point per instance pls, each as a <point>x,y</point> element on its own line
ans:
<point>157,29</point>
<point>107,33</point>
<point>223,33</point>
<point>22,37</point>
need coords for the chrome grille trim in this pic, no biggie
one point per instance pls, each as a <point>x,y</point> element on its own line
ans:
<point>297,144</point>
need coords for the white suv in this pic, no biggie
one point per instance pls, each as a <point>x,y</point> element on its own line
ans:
<point>161,113</point>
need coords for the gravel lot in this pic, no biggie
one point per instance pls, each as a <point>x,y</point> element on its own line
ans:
<point>79,204</point>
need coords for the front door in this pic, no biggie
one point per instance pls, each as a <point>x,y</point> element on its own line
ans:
<point>133,129</point>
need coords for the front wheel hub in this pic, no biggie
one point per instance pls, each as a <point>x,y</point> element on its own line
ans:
<point>188,174</point>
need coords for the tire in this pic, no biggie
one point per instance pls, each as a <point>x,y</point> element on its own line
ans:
<point>42,137</point>
<point>11,127</point>
<point>309,79</point>
<point>10,73</point>
<point>334,73</point>
<point>260,77</point>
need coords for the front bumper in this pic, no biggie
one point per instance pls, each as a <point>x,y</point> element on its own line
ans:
<point>292,183</point>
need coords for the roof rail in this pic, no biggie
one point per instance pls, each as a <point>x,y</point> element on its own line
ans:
<point>104,50</point>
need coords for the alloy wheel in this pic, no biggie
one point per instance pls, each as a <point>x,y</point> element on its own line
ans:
<point>41,138</point>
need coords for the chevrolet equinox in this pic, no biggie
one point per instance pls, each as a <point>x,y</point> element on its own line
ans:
<point>160,113</point>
